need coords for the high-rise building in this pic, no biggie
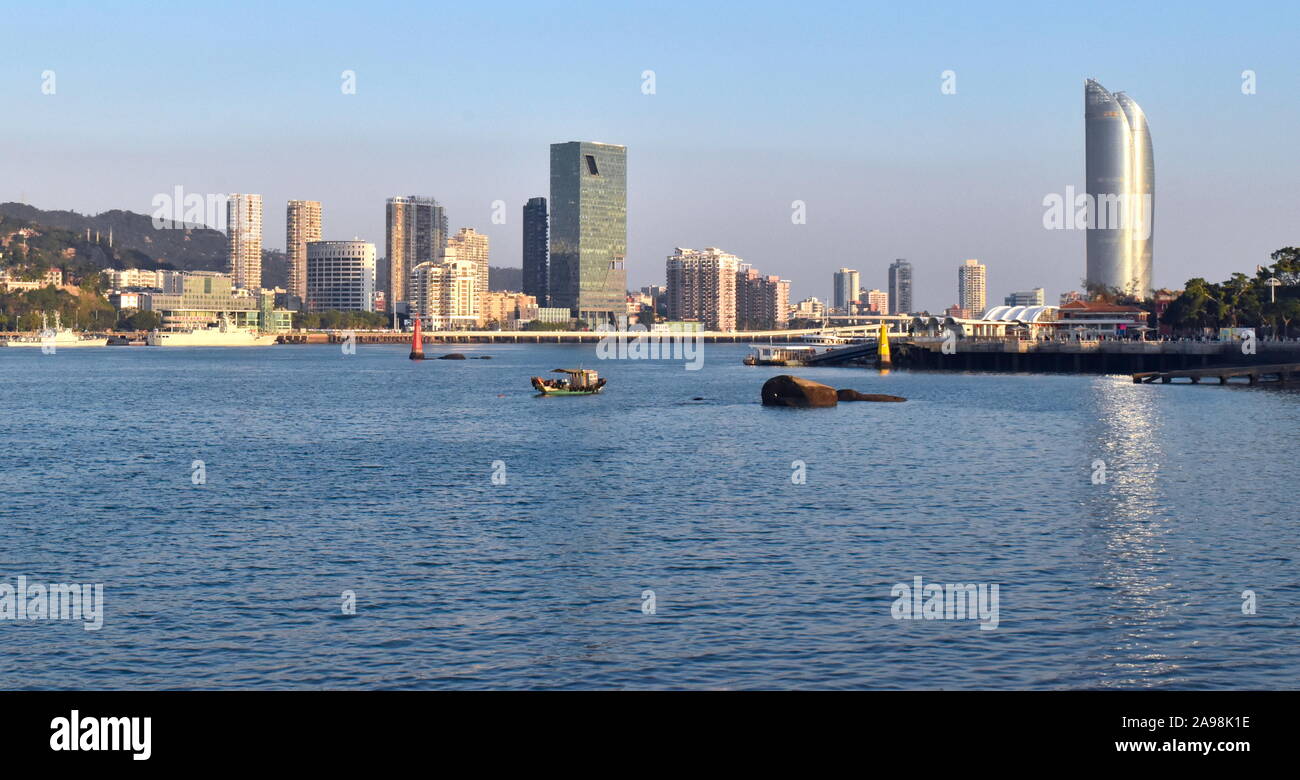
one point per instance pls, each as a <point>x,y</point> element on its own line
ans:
<point>588,229</point>
<point>702,287</point>
<point>877,301</point>
<point>472,246</point>
<point>302,224</point>
<point>970,287</point>
<point>445,292</point>
<point>416,233</point>
<point>1034,297</point>
<point>847,283</point>
<point>1120,171</point>
<point>536,249</point>
<point>244,234</point>
<point>340,276</point>
<point>900,287</point>
<point>762,301</point>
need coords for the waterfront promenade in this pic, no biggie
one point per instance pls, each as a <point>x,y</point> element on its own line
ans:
<point>565,336</point>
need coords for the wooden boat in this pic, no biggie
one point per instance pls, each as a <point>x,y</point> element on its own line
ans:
<point>577,381</point>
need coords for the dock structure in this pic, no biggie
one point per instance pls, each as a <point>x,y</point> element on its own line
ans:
<point>1009,354</point>
<point>867,351</point>
<point>1275,373</point>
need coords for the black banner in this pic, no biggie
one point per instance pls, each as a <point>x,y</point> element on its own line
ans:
<point>138,730</point>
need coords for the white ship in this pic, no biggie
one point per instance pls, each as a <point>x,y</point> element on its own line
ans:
<point>224,334</point>
<point>57,337</point>
<point>822,339</point>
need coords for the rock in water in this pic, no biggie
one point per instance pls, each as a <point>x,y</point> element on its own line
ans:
<point>787,390</point>
<point>854,395</point>
<point>453,356</point>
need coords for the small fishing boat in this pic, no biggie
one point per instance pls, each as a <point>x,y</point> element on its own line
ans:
<point>577,381</point>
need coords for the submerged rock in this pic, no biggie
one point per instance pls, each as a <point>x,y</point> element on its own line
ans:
<point>854,395</point>
<point>452,356</point>
<point>788,390</point>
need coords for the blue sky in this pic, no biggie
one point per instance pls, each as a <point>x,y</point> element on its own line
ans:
<point>756,105</point>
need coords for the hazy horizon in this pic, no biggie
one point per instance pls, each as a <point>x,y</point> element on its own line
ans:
<point>835,104</point>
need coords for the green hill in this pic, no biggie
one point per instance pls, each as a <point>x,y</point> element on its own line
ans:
<point>137,244</point>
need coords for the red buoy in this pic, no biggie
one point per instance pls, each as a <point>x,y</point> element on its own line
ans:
<point>417,342</point>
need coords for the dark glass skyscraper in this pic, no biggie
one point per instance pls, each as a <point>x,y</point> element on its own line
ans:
<point>588,229</point>
<point>900,287</point>
<point>536,249</point>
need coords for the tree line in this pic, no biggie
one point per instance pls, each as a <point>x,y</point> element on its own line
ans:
<point>1243,301</point>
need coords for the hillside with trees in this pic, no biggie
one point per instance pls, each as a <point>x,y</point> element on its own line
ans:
<point>138,244</point>
<point>28,251</point>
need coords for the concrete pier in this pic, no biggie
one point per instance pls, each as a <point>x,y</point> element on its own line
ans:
<point>1279,374</point>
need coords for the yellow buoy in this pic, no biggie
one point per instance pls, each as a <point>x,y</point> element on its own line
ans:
<point>882,346</point>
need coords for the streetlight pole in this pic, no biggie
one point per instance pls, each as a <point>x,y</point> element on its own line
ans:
<point>1273,283</point>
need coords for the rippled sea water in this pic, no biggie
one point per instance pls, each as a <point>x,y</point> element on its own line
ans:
<point>370,473</point>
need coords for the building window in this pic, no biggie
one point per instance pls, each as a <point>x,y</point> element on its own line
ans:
<point>591,165</point>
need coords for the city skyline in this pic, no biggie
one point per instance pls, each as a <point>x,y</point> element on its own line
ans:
<point>940,181</point>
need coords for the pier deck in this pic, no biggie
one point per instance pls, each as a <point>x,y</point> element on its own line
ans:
<point>1276,373</point>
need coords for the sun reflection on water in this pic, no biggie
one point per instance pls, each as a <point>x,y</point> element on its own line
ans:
<point>1130,549</point>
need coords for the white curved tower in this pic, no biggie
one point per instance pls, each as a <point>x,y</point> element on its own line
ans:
<point>1121,186</point>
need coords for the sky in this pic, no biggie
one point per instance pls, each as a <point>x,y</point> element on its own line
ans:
<point>755,105</point>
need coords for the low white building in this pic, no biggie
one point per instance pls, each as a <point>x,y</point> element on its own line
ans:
<point>9,280</point>
<point>128,278</point>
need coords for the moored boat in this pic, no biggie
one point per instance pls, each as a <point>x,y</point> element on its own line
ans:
<point>764,355</point>
<point>55,338</point>
<point>577,381</point>
<point>224,334</point>
<point>822,339</point>
<point>58,339</point>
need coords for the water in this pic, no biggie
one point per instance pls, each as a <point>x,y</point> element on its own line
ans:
<point>373,474</point>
